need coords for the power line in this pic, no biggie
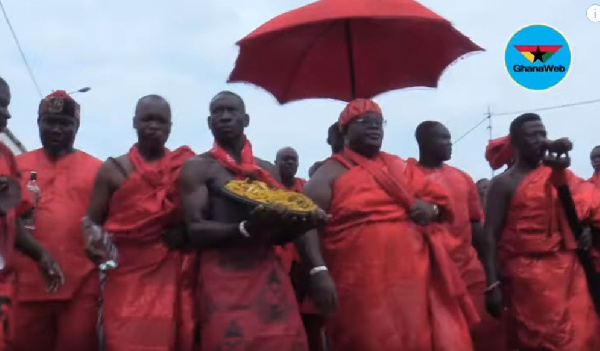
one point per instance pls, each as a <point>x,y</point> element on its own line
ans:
<point>470,130</point>
<point>23,57</point>
<point>489,115</point>
<point>595,101</point>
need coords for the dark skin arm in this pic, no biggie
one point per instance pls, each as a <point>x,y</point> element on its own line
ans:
<point>309,247</point>
<point>496,210</point>
<point>104,187</point>
<point>479,241</point>
<point>30,247</point>
<point>204,233</point>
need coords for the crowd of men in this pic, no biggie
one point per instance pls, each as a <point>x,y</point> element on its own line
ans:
<point>401,254</point>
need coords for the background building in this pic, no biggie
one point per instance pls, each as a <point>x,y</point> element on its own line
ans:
<point>10,140</point>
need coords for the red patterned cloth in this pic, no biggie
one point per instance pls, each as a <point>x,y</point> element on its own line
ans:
<point>245,295</point>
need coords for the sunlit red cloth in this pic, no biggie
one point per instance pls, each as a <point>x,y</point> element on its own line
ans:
<point>142,298</point>
<point>246,299</point>
<point>357,108</point>
<point>489,334</point>
<point>8,227</point>
<point>398,288</point>
<point>499,152</point>
<point>59,102</point>
<point>549,306</point>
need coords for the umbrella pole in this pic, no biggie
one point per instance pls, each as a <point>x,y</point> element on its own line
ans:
<point>350,47</point>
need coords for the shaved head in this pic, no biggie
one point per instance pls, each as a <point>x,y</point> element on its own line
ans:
<point>156,101</point>
<point>286,151</point>
<point>230,94</point>
<point>287,161</point>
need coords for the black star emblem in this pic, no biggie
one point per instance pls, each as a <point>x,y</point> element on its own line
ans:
<point>538,55</point>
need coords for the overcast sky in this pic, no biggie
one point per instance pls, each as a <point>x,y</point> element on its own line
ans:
<point>184,50</point>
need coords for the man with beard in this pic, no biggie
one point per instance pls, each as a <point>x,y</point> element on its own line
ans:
<point>136,200</point>
<point>397,287</point>
<point>246,298</point>
<point>13,234</point>
<point>548,303</point>
<point>466,240</point>
<point>335,140</point>
<point>63,320</point>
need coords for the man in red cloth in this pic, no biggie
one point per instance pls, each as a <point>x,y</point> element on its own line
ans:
<point>136,199</point>
<point>65,320</point>
<point>335,140</point>
<point>547,299</point>
<point>595,160</point>
<point>287,164</point>
<point>396,285</point>
<point>467,243</point>
<point>246,300</point>
<point>13,234</point>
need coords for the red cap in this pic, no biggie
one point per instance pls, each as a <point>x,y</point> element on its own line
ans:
<point>357,108</point>
<point>59,102</point>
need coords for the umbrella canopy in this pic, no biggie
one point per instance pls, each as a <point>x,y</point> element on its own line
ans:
<point>344,49</point>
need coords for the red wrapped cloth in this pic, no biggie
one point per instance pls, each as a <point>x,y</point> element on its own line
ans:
<point>500,152</point>
<point>8,233</point>
<point>66,185</point>
<point>355,109</point>
<point>489,334</point>
<point>398,288</point>
<point>595,179</point>
<point>245,295</point>
<point>549,306</point>
<point>144,296</point>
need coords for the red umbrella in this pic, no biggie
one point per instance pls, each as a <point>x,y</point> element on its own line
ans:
<point>343,49</point>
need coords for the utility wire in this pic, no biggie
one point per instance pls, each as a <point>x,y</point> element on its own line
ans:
<point>491,114</point>
<point>23,57</point>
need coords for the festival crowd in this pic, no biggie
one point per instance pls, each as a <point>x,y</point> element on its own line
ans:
<point>402,254</point>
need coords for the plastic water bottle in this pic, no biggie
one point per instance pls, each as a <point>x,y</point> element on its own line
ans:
<point>33,188</point>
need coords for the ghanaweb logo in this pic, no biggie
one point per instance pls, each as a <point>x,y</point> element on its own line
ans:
<point>538,57</point>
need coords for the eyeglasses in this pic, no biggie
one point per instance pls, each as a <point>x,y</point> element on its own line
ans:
<point>378,121</point>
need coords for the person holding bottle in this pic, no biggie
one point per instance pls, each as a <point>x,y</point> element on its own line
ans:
<point>13,235</point>
<point>60,178</point>
<point>135,206</point>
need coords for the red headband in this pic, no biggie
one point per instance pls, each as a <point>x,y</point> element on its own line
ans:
<point>357,108</point>
<point>499,152</point>
<point>59,102</point>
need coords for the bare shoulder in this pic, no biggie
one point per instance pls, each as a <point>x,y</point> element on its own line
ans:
<point>503,184</point>
<point>197,166</point>
<point>265,164</point>
<point>328,172</point>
